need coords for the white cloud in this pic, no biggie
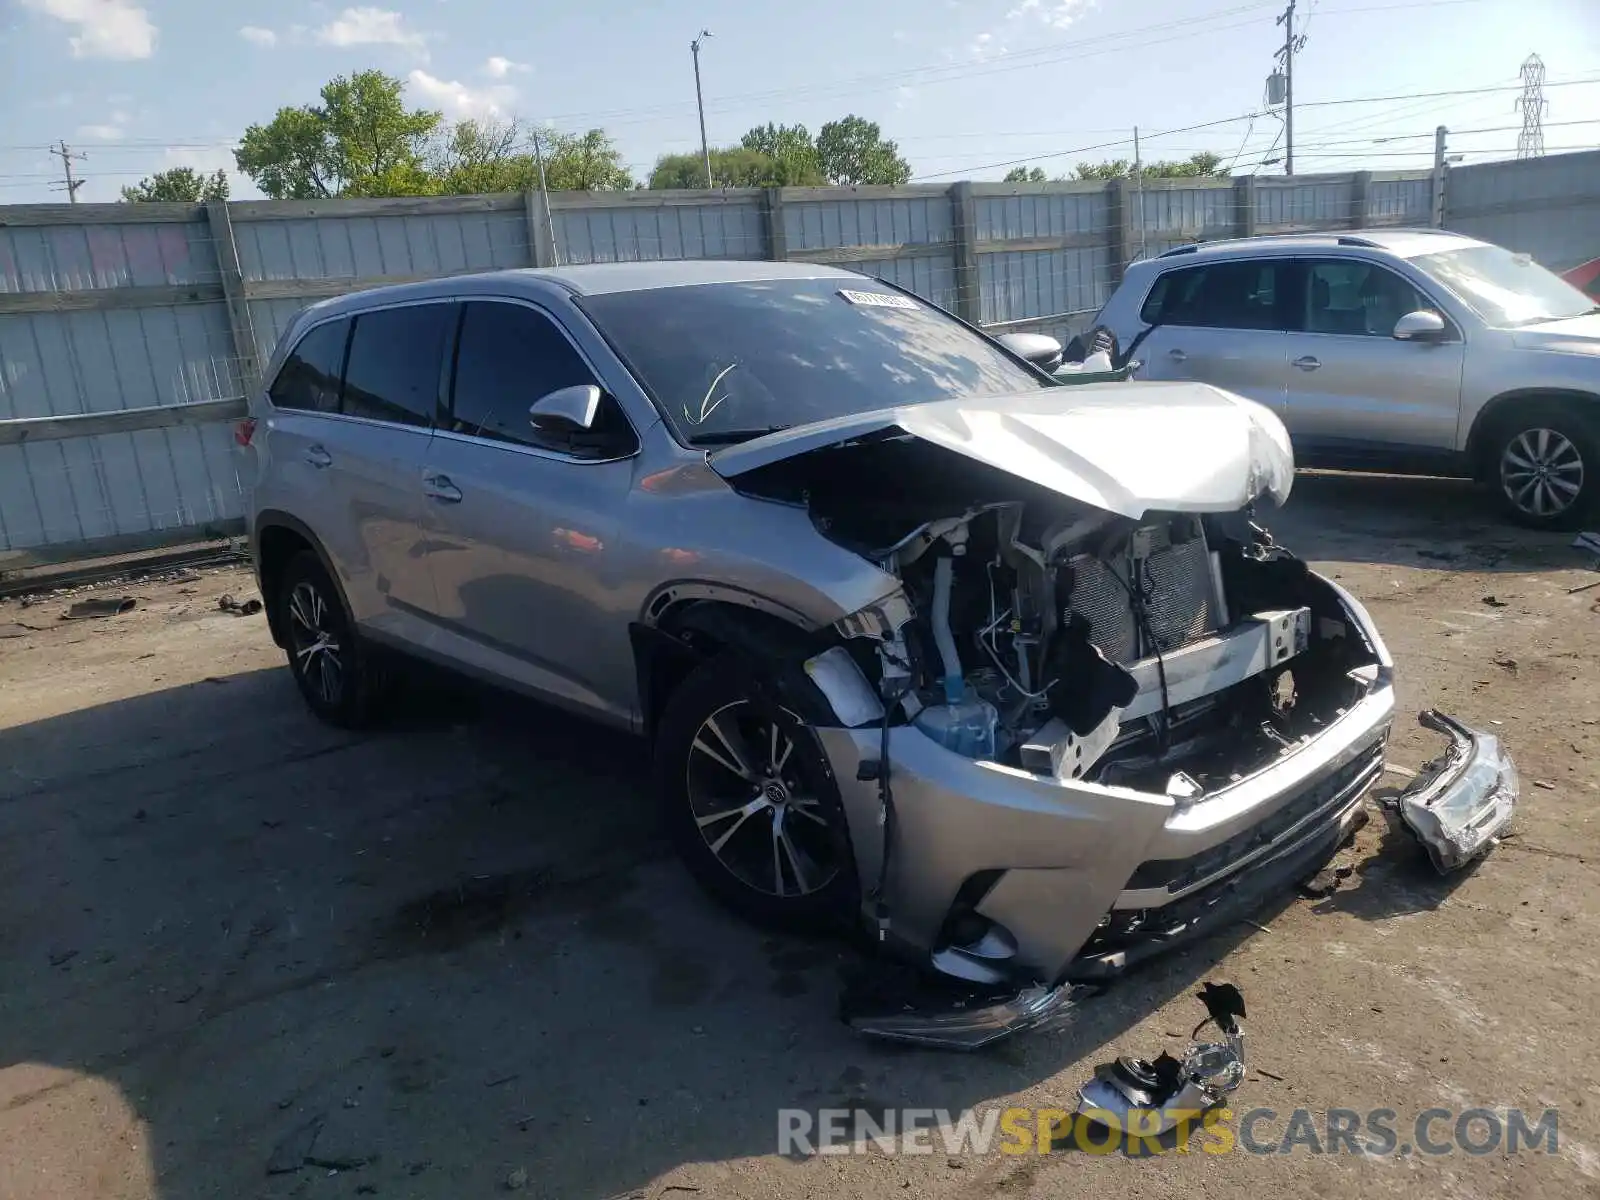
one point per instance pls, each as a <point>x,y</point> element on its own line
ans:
<point>369,26</point>
<point>117,29</point>
<point>1022,17</point>
<point>459,101</point>
<point>258,36</point>
<point>904,98</point>
<point>109,130</point>
<point>498,67</point>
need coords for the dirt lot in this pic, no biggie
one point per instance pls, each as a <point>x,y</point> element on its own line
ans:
<point>461,945</point>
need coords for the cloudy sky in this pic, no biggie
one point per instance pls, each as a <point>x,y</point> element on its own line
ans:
<point>968,87</point>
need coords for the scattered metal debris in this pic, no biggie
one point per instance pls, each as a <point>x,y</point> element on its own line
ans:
<point>107,606</point>
<point>1545,784</point>
<point>1172,1088</point>
<point>247,609</point>
<point>1506,664</point>
<point>1325,882</point>
<point>1494,602</point>
<point>1461,802</point>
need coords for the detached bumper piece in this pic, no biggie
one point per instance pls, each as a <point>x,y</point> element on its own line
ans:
<point>915,1012</point>
<point>1463,800</point>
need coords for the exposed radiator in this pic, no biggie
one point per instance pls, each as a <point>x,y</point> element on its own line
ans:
<point>1174,576</point>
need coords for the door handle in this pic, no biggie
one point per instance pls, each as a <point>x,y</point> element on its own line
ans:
<point>1177,355</point>
<point>439,487</point>
<point>318,457</point>
<point>1307,363</point>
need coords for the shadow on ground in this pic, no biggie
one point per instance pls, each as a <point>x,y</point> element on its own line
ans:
<point>451,951</point>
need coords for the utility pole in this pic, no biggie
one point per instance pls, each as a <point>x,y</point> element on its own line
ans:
<point>64,152</point>
<point>544,194</point>
<point>705,149</point>
<point>1439,168</point>
<point>1291,46</point>
<point>1138,187</point>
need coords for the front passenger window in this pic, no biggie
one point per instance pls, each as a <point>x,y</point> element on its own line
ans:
<point>509,356</point>
<point>1356,298</point>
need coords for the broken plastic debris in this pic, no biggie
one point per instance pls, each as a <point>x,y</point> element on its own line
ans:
<point>1173,1089</point>
<point>1462,801</point>
<point>103,607</point>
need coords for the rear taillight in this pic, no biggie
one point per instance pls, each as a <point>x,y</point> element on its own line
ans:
<point>244,431</point>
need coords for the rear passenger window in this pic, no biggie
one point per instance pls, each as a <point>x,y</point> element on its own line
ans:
<point>508,357</point>
<point>396,359</point>
<point>309,377</point>
<point>1227,295</point>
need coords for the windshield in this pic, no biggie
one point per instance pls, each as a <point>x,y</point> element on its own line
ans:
<point>1504,288</point>
<point>729,361</point>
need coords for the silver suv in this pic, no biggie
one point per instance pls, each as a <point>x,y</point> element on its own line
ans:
<point>1005,672</point>
<point>1402,350</point>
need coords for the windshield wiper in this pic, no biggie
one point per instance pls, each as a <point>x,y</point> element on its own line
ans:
<point>728,437</point>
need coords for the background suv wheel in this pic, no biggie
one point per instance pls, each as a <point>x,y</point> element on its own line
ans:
<point>1544,465</point>
<point>333,672</point>
<point>751,804</point>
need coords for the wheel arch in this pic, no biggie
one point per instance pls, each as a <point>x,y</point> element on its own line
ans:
<point>675,636</point>
<point>276,538</point>
<point>1480,439</point>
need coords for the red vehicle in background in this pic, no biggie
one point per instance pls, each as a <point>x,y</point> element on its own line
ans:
<point>1586,278</point>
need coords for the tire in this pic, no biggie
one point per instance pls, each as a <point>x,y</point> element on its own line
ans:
<point>333,671</point>
<point>726,799</point>
<point>1544,465</point>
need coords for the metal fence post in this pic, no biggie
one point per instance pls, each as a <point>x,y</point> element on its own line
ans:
<point>232,279</point>
<point>964,232</point>
<point>1117,226</point>
<point>541,235</point>
<point>1360,192</point>
<point>1244,205</point>
<point>772,218</point>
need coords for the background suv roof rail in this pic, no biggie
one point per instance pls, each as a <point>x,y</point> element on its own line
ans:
<point>1179,250</point>
<point>1349,240</point>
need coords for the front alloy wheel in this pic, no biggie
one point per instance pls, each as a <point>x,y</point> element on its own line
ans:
<point>1541,474</point>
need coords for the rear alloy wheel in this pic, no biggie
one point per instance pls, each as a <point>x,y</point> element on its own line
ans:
<point>328,664</point>
<point>751,803</point>
<point>1545,468</point>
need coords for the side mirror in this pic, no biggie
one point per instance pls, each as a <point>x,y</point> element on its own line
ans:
<point>1419,326</point>
<point>567,410</point>
<point>1040,349</point>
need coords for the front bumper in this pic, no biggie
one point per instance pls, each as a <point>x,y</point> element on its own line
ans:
<point>1085,878</point>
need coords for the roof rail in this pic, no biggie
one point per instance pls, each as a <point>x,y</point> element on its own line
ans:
<point>1179,250</point>
<point>1351,240</point>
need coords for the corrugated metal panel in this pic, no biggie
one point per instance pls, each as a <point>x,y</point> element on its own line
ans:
<point>49,258</point>
<point>328,247</point>
<point>1400,202</point>
<point>933,277</point>
<point>825,224</point>
<point>1177,215</point>
<point>1034,283</point>
<point>1547,207</point>
<point>1304,202</point>
<point>635,233</point>
<point>1041,215</point>
<point>79,362</point>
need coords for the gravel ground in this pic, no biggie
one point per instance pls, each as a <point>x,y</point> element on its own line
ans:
<point>458,952</point>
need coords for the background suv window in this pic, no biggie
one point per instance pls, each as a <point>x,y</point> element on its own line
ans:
<point>507,357</point>
<point>1353,297</point>
<point>309,377</point>
<point>1224,295</point>
<point>396,360</point>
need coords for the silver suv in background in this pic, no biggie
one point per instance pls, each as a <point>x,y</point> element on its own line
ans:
<point>1419,351</point>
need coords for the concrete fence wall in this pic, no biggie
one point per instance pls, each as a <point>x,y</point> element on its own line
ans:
<point>130,334</point>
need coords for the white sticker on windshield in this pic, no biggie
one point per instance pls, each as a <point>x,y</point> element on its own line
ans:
<point>878,299</point>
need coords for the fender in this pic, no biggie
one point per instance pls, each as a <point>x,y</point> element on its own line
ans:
<point>1490,412</point>
<point>268,519</point>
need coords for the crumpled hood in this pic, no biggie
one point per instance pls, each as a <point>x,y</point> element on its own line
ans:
<point>1575,335</point>
<point>1128,448</point>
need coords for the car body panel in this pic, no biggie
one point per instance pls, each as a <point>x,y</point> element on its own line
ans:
<point>1199,449</point>
<point>1250,363</point>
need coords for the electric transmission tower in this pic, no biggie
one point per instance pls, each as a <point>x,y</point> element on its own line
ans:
<point>1533,106</point>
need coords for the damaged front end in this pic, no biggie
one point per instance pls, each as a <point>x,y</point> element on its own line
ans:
<point>1101,713</point>
<point>1462,801</point>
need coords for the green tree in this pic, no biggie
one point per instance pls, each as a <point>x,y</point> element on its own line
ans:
<point>731,166</point>
<point>1025,175</point>
<point>790,150</point>
<point>854,151</point>
<point>1195,166</point>
<point>497,156</point>
<point>361,140</point>
<point>184,185</point>
<point>586,162</point>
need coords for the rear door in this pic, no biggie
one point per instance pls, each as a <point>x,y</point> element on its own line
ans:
<point>1354,391</point>
<point>1222,323</point>
<point>523,528</point>
<point>371,455</point>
